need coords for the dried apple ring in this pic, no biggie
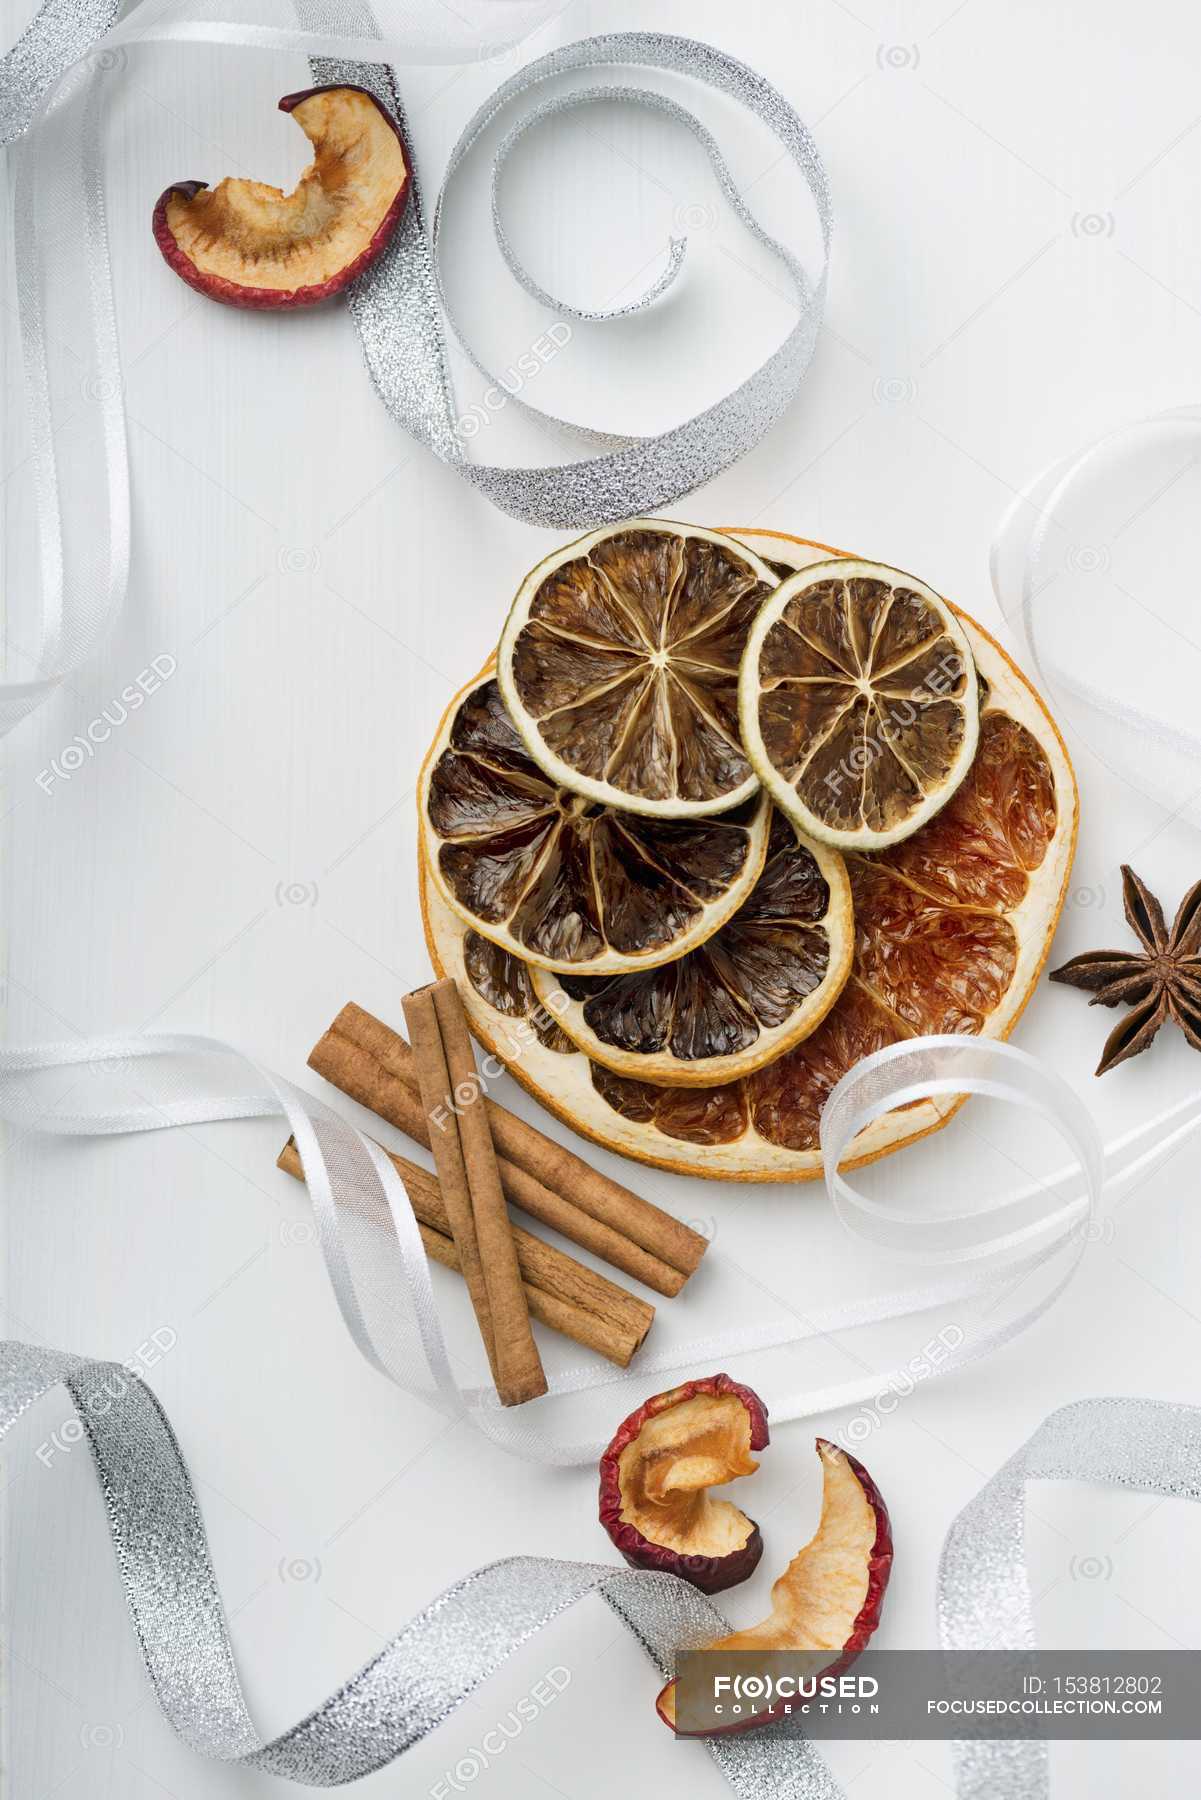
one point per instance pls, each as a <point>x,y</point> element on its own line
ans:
<point>247,244</point>
<point>656,1474</point>
<point>831,1594</point>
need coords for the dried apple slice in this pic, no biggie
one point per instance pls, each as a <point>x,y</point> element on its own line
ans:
<point>559,881</point>
<point>619,666</point>
<point>831,1594</point>
<point>756,987</point>
<point>247,244</point>
<point>656,1475</point>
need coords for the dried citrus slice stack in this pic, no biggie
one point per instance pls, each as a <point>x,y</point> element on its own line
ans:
<point>559,880</point>
<point>857,702</point>
<point>760,984</point>
<point>619,666</point>
<point>952,925</point>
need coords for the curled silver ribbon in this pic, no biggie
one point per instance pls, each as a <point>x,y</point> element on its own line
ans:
<point>50,115</point>
<point>414,1683</point>
<point>399,304</point>
<point>430,1666</point>
<point>59,34</point>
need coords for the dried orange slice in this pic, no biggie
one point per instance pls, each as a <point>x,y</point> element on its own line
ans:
<point>756,987</point>
<point>619,666</point>
<point>561,881</point>
<point>952,928</point>
<point>857,702</point>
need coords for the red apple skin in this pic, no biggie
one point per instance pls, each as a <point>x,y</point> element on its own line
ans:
<point>711,1574</point>
<point>232,293</point>
<point>879,1568</point>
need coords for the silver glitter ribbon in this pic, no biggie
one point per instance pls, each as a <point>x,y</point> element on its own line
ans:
<point>399,304</point>
<point>424,1672</point>
<point>983,1588</point>
<point>430,1666</point>
<point>60,34</point>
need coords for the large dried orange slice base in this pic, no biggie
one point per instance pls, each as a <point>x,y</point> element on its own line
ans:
<point>759,985</point>
<point>858,703</point>
<point>619,666</point>
<point>560,880</point>
<point>952,927</point>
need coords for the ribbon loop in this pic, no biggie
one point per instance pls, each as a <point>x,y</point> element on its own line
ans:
<point>636,475</point>
<point>1152,752</point>
<point>551,109</point>
<point>377,1266</point>
<point>49,99</point>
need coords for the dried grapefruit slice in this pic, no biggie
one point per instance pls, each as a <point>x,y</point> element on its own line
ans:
<point>857,702</point>
<point>759,985</point>
<point>952,928</point>
<point>619,666</point>
<point>561,881</point>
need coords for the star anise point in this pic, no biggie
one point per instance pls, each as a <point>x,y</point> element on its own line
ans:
<point>1160,981</point>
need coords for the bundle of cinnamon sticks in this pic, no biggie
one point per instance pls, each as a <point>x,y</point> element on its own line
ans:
<point>485,1155</point>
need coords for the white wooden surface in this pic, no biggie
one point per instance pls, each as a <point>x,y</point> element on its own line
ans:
<point>1017,265</point>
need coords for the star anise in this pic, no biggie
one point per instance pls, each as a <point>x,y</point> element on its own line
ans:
<point>1162,981</point>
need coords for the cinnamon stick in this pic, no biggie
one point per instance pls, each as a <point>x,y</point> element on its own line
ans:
<point>521,1373</point>
<point>344,1059</point>
<point>374,1065</point>
<point>470,1183</point>
<point>561,1293</point>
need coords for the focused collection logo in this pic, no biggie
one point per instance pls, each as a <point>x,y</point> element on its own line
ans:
<point>744,1696</point>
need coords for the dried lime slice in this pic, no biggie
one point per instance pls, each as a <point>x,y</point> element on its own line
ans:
<point>759,985</point>
<point>858,702</point>
<point>559,880</point>
<point>619,666</point>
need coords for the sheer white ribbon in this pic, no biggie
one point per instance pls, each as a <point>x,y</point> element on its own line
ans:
<point>1012,1254</point>
<point>1151,752</point>
<point>983,1257</point>
<point>1026,563</point>
<point>988,1248</point>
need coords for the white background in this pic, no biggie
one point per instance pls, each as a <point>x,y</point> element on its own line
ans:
<point>1017,266</point>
